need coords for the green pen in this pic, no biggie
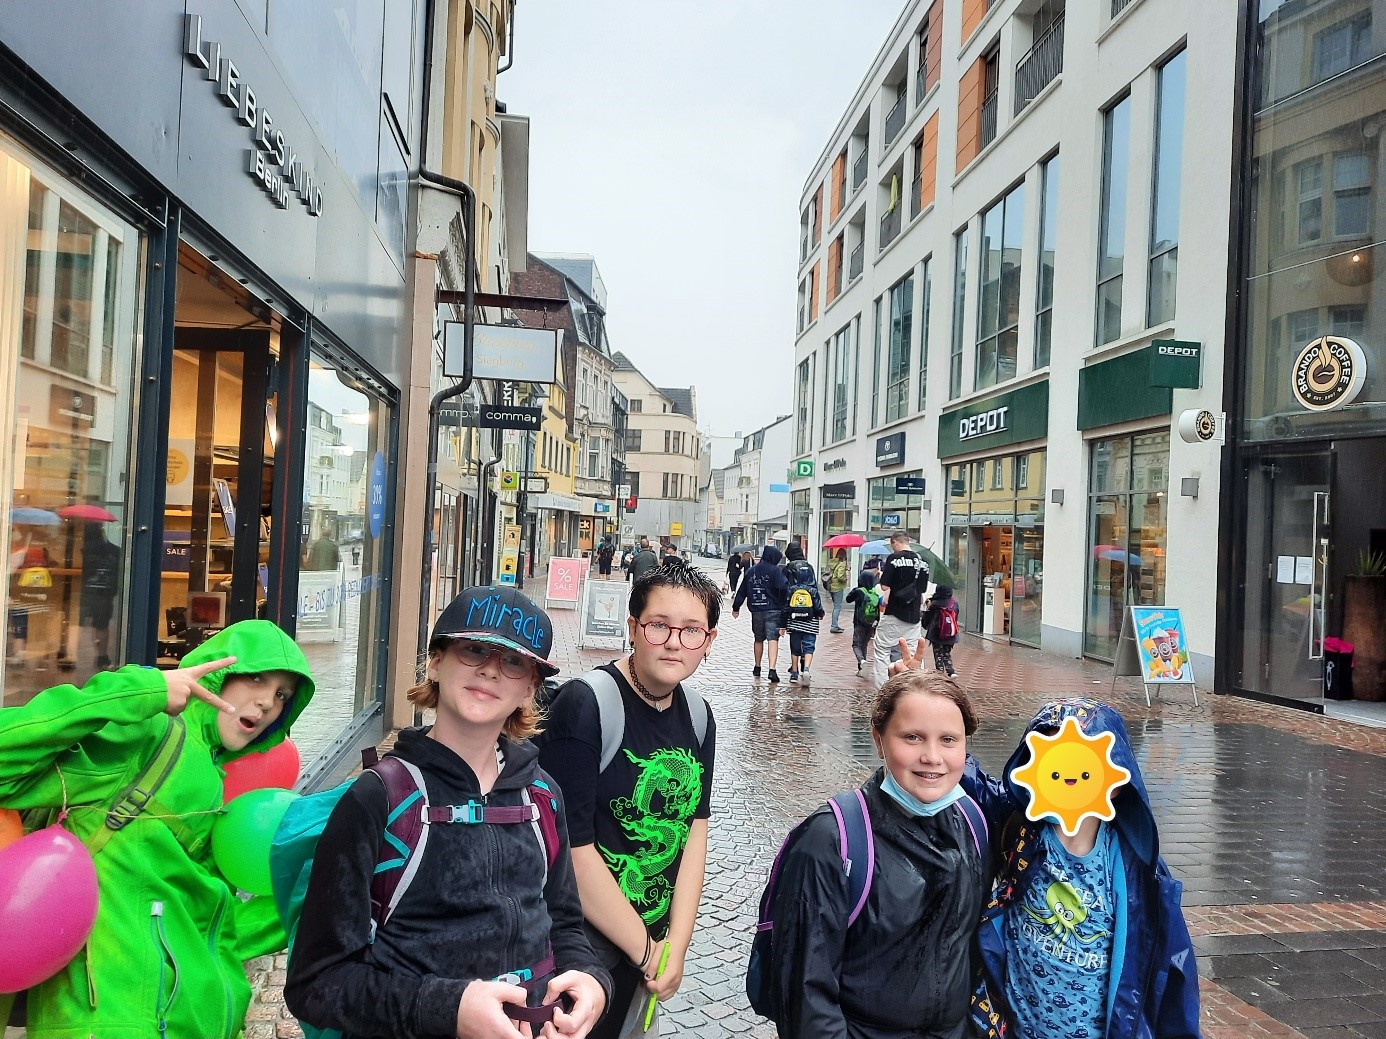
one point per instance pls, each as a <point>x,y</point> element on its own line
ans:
<point>659,973</point>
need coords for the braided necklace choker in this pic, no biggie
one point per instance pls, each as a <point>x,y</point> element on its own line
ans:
<point>640,688</point>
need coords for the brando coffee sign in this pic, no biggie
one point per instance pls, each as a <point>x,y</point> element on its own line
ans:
<point>272,160</point>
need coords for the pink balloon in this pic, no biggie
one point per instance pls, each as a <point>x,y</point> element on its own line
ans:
<point>276,767</point>
<point>47,905</point>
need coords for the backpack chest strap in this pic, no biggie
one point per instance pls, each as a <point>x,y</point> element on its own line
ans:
<point>475,813</point>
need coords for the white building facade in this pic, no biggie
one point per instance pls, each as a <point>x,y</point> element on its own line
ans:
<point>1006,248</point>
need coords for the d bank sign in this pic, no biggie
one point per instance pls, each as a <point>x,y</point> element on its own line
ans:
<point>272,161</point>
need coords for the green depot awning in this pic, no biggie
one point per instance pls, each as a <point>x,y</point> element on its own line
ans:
<point>996,421</point>
<point>1120,390</point>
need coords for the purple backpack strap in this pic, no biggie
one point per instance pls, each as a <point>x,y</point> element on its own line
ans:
<point>857,845</point>
<point>404,838</point>
<point>976,822</point>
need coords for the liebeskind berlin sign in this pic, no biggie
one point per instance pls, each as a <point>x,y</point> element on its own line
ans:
<point>272,162</point>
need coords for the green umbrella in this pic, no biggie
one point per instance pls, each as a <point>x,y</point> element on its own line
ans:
<point>939,571</point>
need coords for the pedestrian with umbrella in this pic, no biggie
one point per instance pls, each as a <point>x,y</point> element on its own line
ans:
<point>835,574</point>
<point>735,565</point>
<point>904,580</point>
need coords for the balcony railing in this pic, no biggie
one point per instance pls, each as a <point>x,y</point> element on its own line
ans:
<point>895,120</point>
<point>1039,67</point>
<point>988,120</point>
<point>916,192</point>
<point>1120,5</point>
<point>859,168</point>
<point>890,226</point>
<point>857,261</point>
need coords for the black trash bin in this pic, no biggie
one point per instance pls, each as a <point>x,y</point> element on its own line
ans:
<point>1337,669</point>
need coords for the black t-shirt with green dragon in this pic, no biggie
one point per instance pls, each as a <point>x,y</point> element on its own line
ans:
<point>639,810</point>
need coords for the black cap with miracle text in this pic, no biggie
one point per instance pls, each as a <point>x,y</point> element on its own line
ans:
<point>498,616</point>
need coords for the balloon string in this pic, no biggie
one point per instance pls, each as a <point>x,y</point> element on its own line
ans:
<point>62,812</point>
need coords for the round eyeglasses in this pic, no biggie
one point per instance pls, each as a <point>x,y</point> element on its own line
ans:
<point>657,633</point>
<point>475,654</point>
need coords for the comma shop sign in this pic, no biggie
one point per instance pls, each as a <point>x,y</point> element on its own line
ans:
<point>272,161</point>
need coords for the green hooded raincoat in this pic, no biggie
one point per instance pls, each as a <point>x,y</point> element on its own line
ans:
<point>165,957</point>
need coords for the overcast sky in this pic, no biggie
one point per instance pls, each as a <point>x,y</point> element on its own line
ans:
<point>671,140</point>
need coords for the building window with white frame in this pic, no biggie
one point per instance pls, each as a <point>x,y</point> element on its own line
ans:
<point>1166,190</point>
<point>803,407</point>
<point>876,364</point>
<point>926,276</point>
<point>843,363</point>
<point>898,353</point>
<point>955,351</point>
<point>856,383</point>
<point>1352,195</point>
<point>1049,231</point>
<point>1111,241</point>
<point>998,300</point>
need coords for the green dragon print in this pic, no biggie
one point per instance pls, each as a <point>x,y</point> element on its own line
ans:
<point>1066,913</point>
<point>668,789</point>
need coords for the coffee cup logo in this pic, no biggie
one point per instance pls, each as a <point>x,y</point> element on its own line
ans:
<point>1328,374</point>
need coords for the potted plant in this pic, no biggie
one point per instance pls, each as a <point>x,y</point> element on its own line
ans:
<point>1364,624</point>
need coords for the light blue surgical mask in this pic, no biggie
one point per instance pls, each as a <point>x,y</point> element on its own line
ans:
<point>911,804</point>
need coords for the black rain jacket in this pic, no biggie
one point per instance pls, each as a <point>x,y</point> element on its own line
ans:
<point>904,970</point>
<point>477,908</point>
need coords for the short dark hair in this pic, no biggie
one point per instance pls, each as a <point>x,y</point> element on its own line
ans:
<point>900,535</point>
<point>931,682</point>
<point>675,573</point>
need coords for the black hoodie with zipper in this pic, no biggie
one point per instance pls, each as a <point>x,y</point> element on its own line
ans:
<point>478,907</point>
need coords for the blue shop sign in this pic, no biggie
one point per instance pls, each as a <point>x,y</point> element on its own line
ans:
<point>375,495</point>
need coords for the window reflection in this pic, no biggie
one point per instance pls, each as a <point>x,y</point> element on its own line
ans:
<point>65,403</point>
<point>342,550</point>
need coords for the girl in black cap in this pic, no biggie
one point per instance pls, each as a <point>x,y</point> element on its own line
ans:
<point>486,922</point>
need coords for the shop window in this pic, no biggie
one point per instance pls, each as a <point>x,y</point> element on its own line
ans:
<point>341,597</point>
<point>72,310</point>
<point>1127,510</point>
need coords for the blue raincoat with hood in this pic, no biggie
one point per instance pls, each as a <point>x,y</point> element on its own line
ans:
<point>1153,986</point>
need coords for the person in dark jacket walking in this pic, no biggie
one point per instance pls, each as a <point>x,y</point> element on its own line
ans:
<point>866,612</point>
<point>941,628</point>
<point>645,560</point>
<point>734,569</point>
<point>483,909</point>
<point>1094,917</point>
<point>903,969</point>
<point>767,591</point>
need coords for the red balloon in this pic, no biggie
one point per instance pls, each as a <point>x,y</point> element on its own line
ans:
<point>276,767</point>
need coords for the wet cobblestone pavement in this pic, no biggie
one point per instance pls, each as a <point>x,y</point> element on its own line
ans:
<point>1272,818</point>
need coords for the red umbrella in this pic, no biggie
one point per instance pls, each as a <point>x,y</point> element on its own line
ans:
<point>91,513</point>
<point>847,540</point>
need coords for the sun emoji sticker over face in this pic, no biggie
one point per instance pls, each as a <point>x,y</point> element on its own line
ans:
<point>1070,777</point>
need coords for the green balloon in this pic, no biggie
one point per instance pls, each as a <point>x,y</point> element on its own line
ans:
<point>242,835</point>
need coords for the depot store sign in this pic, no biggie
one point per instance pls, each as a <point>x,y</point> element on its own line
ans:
<point>996,421</point>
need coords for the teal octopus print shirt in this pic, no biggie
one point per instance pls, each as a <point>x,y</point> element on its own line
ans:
<point>639,811</point>
<point>1059,943</point>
